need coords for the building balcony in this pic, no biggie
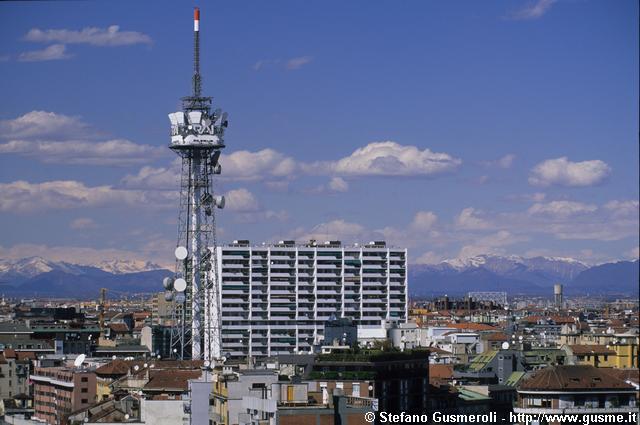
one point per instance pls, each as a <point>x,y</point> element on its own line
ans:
<point>581,410</point>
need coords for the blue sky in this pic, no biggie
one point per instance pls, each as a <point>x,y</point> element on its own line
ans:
<point>451,128</point>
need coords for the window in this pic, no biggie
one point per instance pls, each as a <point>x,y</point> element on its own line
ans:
<point>84,390</point>
<point>355,392</point>
<point>84,401</point>
<point>84,379</point>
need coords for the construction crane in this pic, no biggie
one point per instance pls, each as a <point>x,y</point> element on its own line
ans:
<point>101,307</point>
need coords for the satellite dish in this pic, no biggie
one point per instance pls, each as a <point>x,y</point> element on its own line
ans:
<point>180,285</point>
<point>505,345</point>
<point>167,282</point>
<point>126,416</point>
<point>145,365</point>
<point>181,253</point>
<point>168,296</point>
<point>180,298</point>
<point>136,367</point>
<point>114,357</point>
<point>215,156</point>
<point>79,360</point>
<point>219,201</point>
<point>520,338</point>
<point>207,363</point>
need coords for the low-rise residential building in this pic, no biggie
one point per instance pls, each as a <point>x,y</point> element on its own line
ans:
<point>576,389</point>
<point>594,355</point>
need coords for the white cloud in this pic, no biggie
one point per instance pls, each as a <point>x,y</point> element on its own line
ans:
<point>490,244</point>
<point>468,219</point>
<point>155,177</point>
<point>338,184</point>
<point>247,209</point>
<point>298,62</point>
<point>562,172</point>
<point>561,209</point>
<point>22,196</point>
<point>620,209</point>
<point>533,10</point>
<point>59,138</point>
<point>111,36</point>
<point>117,152</point>
<point>423,221</point>
<point>527,197</point>
<point>242,200</point>
<point>83,224</point>
<point>429,257</point>
<point>266,163</point>
<point>50,53</point>
<point>388,159</point>
<point>291,64</point>
<point>503,162</point>
<point>43,124</point>
<point>334,230</point>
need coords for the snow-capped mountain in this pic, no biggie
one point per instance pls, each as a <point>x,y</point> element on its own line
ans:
<point>40,277</point>
<point>127,266</point>
<point>34,266</point>
<point>552,267</point>
<point>516,274</point>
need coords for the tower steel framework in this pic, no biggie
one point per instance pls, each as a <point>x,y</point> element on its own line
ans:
<point>197,136</point>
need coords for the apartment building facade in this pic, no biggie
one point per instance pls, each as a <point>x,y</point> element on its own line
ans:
<point>58,391</point>
<point>276,299</point>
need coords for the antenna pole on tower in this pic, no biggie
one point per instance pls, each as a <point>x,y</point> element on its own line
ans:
<point>196,53</point>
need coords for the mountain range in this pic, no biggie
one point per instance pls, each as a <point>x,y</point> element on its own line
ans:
<point>518,275</point>
<point>36,276</point>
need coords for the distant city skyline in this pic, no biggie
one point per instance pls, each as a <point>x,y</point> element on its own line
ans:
<point>451,129</point>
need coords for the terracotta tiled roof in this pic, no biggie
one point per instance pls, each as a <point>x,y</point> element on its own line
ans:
<point>119,327</point>
<point>171,380</point>
<point>9,353</point>
<point>632,375</point>
<point>26,355</point>
<point>497,336</point>
<point>568,378</point>
<point>115,367</point>
<point>120,367</point>
<point>472,326</point>
<point>591,349</point>
<point>440,374</point>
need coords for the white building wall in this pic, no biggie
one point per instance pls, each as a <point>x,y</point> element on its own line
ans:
<point>276,299</point>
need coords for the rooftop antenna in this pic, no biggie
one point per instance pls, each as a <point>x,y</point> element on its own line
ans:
<point>196,101</point>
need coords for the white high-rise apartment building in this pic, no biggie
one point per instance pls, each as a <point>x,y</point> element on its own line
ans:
<point>277,298</point>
